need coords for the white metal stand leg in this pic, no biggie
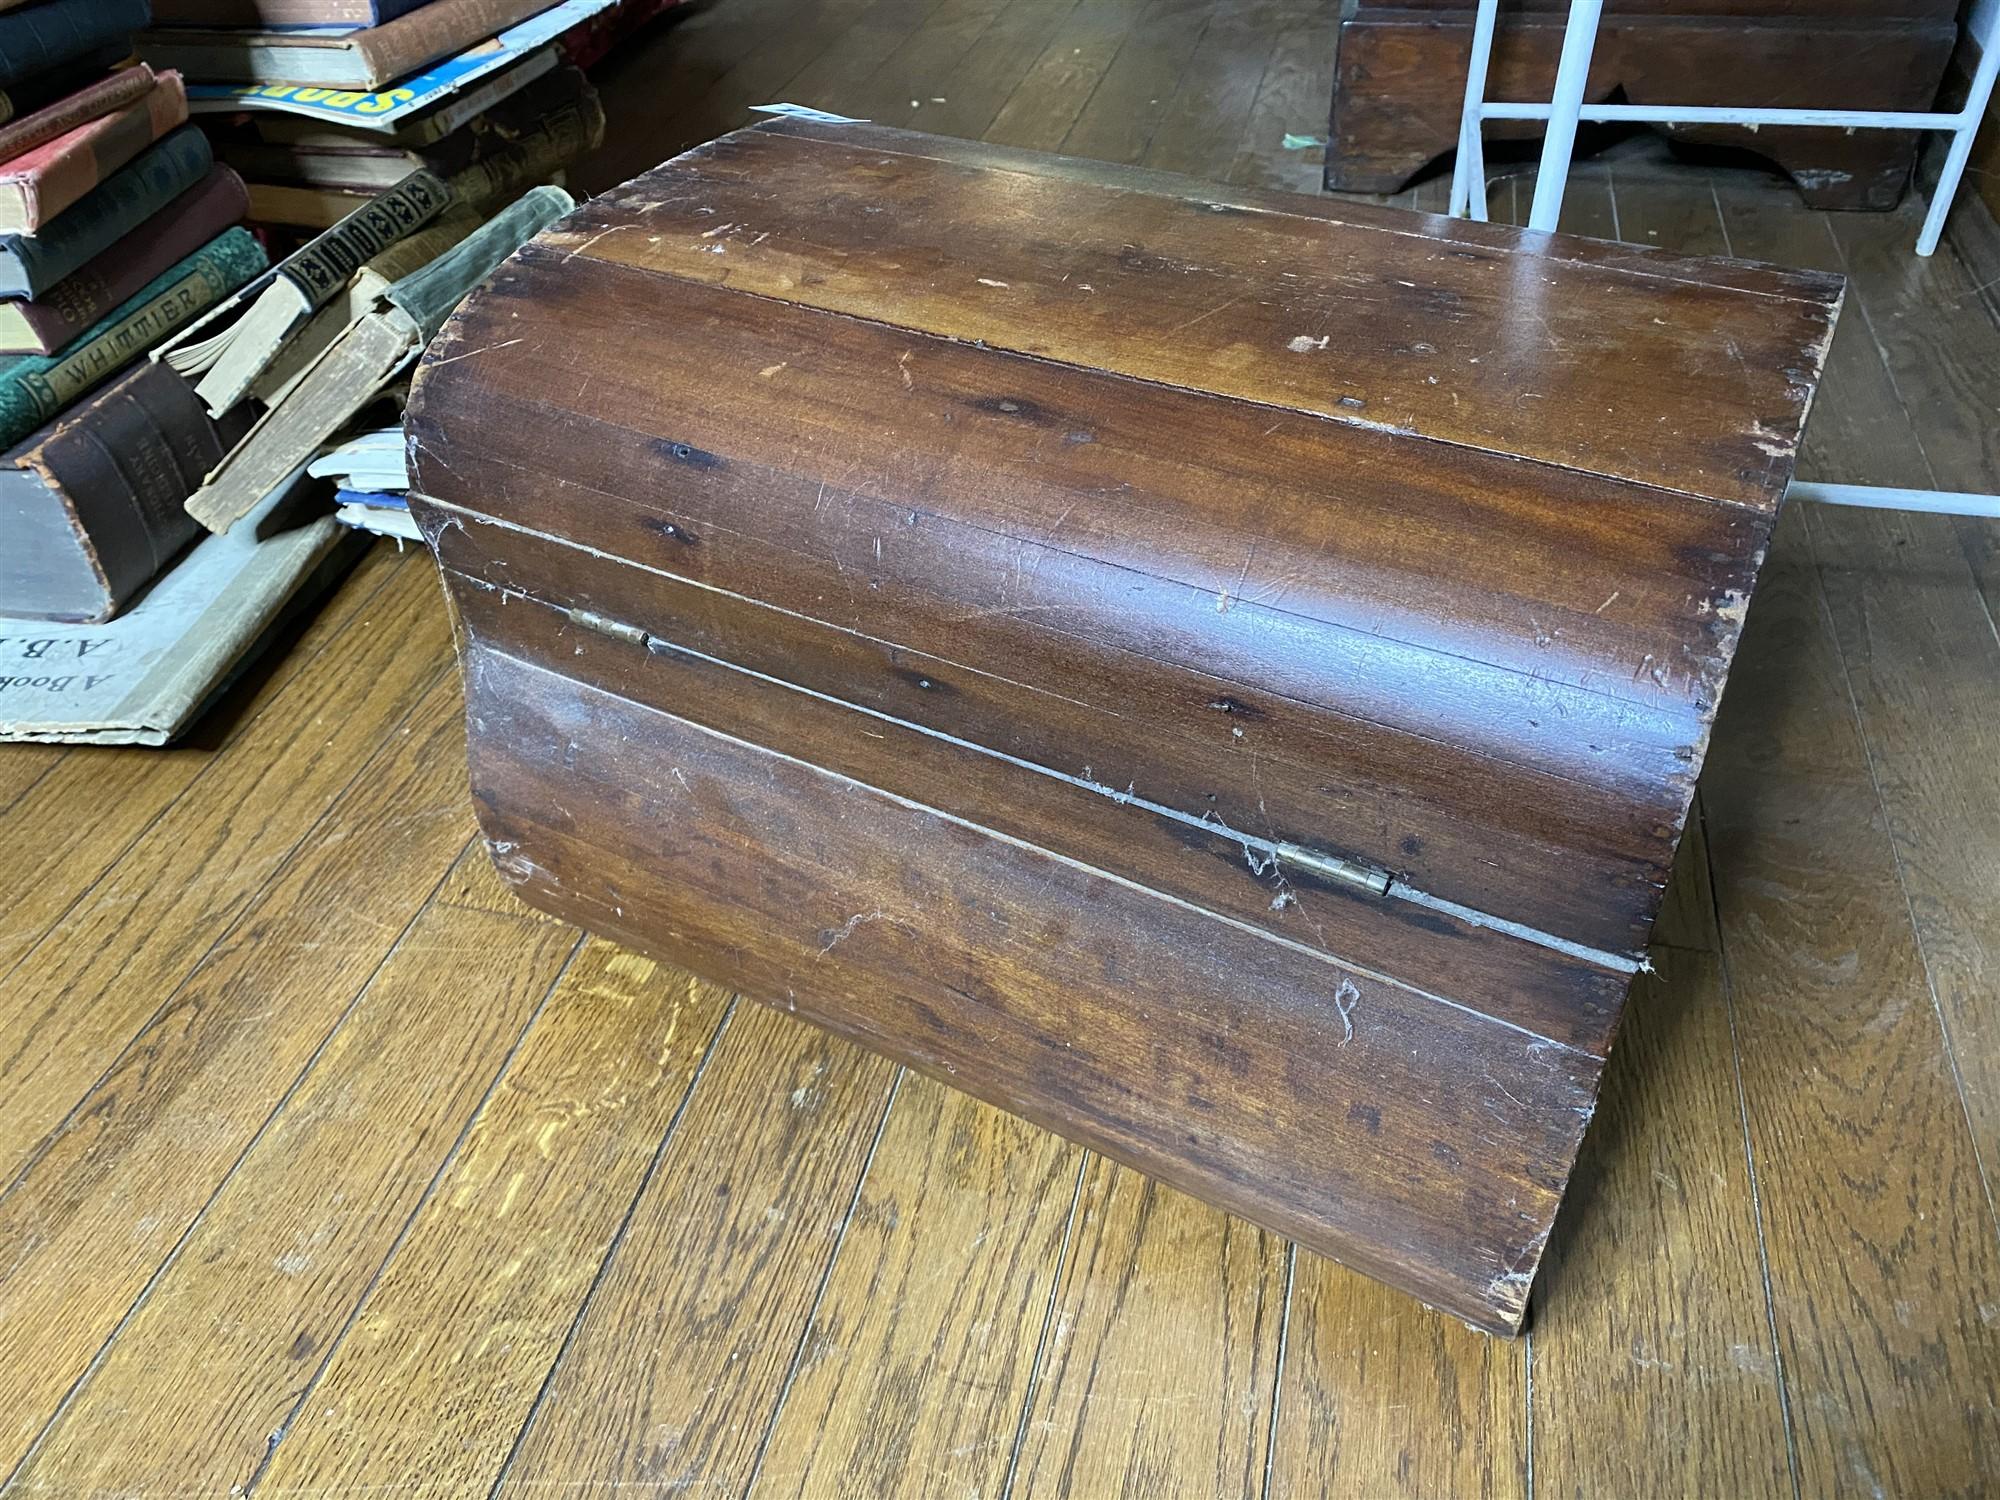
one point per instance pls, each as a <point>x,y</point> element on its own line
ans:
<point>1468,171</point>
<point>1565,107</point>
<point>1961,139</point>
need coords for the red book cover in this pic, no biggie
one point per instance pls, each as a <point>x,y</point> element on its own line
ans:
<point>81,298</point>
<point>91,102</point>
<point>39,184</point>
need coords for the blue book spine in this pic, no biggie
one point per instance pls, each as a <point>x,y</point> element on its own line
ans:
<point>31,264</point>
<point>40,37</point>
<point>35,387</point>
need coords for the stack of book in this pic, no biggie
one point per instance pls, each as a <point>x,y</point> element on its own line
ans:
<point>117,229</point>
<point>219,431</point>
<point>371,473</point>
<point>321,103</point>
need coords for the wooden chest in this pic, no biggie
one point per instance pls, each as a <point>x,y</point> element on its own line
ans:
<point>1217,673</point>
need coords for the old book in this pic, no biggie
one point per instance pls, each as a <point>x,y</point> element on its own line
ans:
<point>64,311</point>
<point>34,387</point>
<point>228,348</point>
<point>41,38</point>
<point>415,131</point>
<point>93,101</point>
<point>39,184</point>
<point>31,264</point>
<point>546,125</point>
<point>274,381</point>
<point>371,461</point>
<point>364,59</point>
<point>379,512</point>
<point>500,174</point>
<point>91,505</point>
<point>365,357</point>
<point>145,677</point>
<point>44,89</point>
<point>256,13</point>
<point>387,110</point>
<point>1221,674</point>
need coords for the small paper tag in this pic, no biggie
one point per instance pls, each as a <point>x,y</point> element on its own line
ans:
<point>803,112</point>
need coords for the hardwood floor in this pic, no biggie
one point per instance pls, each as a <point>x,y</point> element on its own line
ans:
<point>331,1170</point>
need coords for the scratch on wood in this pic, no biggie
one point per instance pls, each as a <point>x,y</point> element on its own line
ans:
<point>487,349</point>
<point>1345,1000</point>
<point>846,930</point>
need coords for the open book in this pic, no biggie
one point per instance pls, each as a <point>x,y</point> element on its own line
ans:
<point>362,358</point>
<point>232,345</point>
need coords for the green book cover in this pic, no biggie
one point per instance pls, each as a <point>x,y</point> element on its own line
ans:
<point>35,387</point>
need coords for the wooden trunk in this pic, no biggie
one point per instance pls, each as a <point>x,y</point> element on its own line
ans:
<point>1217,673</point>
<point>1399,82</point>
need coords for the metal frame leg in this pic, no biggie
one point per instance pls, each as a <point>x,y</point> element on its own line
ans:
<point>1468,171</point>
<point>1565,106</point>
<point>1961,141</point>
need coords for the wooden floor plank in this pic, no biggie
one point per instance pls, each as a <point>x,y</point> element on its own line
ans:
<point>918,1358</point>
<point>1650,1318</point>
<point>271,1274</point>
<point>21,766</point>
<point>1919,645</point>
<point>104,1205</point>
<point>85,990</point>
<point>765,45</point>
<point>1881,1246</point>
<point>1291,100</point>
<point>834,79</point>
<point>992,68</point>
<point>1161,1355</point>
<point>1133,97</point>
<point>63,830</point>
<point>1055,89</point>
<point>1203,125</point>
<point>681,1355</point>
<point>1381,1397</point>
<point>427,1391</point>
<point>906,87</point>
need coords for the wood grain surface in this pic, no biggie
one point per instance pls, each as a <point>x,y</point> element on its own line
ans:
<point>816,440</point>
<point>1800,1308</point>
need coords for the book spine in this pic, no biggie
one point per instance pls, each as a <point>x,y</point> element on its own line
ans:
<point>124,87</point>
<point>562,136</point>
<point>73,304</point>
<point>46,36</point>
<point>36,387</point>
<point>59,173</point>
<point>30,264</point>
<point>438,29</point>
<point>322,268</point>
<point>272,13</point>
<point>121,464</point>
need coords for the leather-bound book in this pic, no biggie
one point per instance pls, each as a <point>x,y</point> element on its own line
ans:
<point>91,505</point>
<point>362,59</point>
<point>40,38</point>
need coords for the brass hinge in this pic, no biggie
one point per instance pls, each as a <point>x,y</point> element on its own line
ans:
<point>1333,867</point>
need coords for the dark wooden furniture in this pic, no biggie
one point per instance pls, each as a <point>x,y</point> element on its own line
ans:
<point>1218,673</point>
<point>1400,79</point>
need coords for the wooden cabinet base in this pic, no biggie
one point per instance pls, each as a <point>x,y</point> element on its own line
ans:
<point>1219,674</point>
<point>1400,81</point>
